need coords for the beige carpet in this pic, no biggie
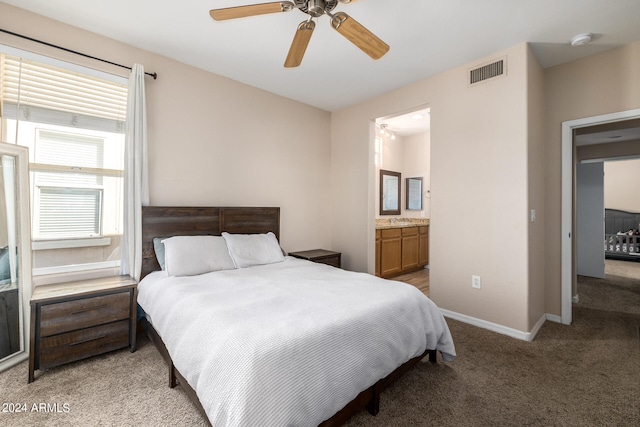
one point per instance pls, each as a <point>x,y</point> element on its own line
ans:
<point>117,389</point>
<point>586,374</point>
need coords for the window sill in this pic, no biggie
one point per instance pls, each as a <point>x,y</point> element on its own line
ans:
<point>41,245</point>
<point>48,275</point>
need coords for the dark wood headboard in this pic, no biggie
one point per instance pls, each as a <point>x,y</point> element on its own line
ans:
<point>166,221</point>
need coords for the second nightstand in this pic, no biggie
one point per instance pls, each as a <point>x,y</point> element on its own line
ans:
<point>321,256</point>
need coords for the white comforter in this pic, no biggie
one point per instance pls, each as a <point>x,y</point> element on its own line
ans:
<point>288,344</point>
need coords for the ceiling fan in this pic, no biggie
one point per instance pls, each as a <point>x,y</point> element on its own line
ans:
<point>351,29</point>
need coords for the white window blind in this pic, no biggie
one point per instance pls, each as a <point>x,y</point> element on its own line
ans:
<point>46,94</point>
<point>69,212</point>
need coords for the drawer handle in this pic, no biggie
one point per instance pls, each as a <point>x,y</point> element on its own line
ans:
<point>88,339</point>
<point>88,309</point>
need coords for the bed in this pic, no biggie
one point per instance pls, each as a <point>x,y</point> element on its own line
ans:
<point>622,235</point>
<point>287,342</point>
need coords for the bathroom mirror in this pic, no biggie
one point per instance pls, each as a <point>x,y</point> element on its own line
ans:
<point>389,192</point>
<point>15,255</point>
<point>414,194</point>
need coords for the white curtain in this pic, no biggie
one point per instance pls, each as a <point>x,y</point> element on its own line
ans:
<point>136,186</point>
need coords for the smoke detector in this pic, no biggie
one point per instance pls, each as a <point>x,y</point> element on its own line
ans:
<point>581,39</point>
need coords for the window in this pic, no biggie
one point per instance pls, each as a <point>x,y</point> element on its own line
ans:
<point>72,121</point>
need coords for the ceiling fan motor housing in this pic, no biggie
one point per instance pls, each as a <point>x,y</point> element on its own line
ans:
<point>316,8</point>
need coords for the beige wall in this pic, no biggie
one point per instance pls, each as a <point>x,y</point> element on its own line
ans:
<point>213,141</point>
<point>608,150</point>
<point>417,160</point>
<point>479,186</point>
<point>621,176</point>
<point>622,185</point>
<point>536,176</point>
<point>599,84</point>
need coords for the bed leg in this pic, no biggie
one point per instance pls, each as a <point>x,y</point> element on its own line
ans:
<point>373,407</point>
<point>172,376</point>
<point>433,356</point>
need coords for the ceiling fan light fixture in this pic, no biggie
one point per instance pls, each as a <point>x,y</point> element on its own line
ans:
<point>315,8</point>
<point>348,27</point>
<point>581,39</point>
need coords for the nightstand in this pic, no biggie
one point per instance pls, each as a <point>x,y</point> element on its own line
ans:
<point>321,256</point>
<point>75,320</point>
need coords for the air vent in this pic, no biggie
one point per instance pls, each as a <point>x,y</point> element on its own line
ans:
<point>488,71</point>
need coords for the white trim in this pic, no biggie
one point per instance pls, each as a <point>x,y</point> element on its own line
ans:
<point>504,330</point>
<point>536,328</point>
<point>40,245</point>
<point>24,238</point>
<point>566,273</point>
<point>75,268</point>
<point>566,224</point>
<point>610,159</point>
<point>553,318</point>
<point>76,276</point>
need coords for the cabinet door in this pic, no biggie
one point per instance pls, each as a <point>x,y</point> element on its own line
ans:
<point>390,252</point>
<point>410,248</point>
<point>424,245</point>
<point>378,253</point>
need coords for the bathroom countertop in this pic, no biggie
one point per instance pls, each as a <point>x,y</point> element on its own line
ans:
<point>401,223</point>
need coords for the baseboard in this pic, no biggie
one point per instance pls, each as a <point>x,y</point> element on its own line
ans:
<point>553,318</point>
<point>501,329</point>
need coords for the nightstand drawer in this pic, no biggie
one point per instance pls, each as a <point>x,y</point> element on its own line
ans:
<point>333,260</point>
<point>84,343</point>
<point>82,313</point>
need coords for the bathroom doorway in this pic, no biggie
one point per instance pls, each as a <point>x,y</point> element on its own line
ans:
<point>402,143</point>
<point>402,162</point>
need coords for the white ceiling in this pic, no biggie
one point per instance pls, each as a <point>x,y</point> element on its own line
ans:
<point>426,37</point>
<point>414,122</point>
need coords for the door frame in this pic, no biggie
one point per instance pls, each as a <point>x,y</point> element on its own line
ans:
<point>567,201</point>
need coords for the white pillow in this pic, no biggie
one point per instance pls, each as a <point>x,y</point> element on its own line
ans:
<point>253,249</point>
<point>191,255</point>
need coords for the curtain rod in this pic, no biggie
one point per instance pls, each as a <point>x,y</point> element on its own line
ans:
<point>154,75</point>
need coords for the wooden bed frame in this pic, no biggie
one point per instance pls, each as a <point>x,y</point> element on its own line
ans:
<point>172,221</point>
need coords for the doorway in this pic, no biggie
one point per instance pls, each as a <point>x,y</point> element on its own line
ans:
<point>402,149</point>
<point>569,129</point>
<point>402,143</point>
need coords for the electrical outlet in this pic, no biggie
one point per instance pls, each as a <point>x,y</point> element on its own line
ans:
<point>475,282</point>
